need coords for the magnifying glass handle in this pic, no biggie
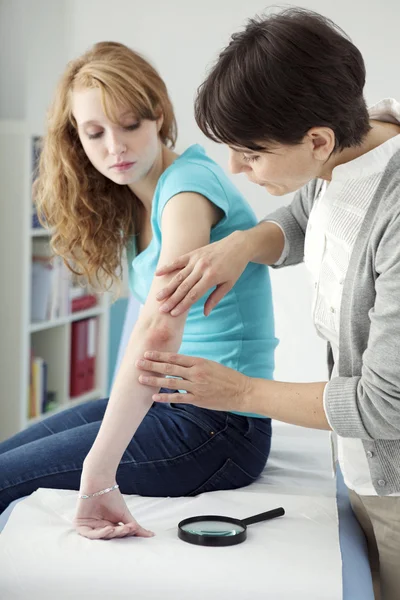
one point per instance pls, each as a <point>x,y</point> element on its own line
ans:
<point>265,516</point>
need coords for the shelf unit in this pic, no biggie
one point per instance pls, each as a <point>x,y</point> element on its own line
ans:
<point>49,339</point>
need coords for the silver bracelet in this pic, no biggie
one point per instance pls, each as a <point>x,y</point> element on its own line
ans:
<point>100,493</point>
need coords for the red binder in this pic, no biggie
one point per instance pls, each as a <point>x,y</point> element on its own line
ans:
<point>78,374</point>
<point>83,302</point>
<point>91,354</point>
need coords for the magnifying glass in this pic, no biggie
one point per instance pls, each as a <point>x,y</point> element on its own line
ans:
<point>213,530</point>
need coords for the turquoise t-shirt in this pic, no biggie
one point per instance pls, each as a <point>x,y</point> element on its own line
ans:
<point>239,332</point>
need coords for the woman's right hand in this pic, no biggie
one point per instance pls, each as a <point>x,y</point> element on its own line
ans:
<point>219,264</point>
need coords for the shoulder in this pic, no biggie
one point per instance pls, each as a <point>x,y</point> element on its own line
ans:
<point>195,172</point>
<point>193,166</point>
<point>384,217</point>
<point>386,203</point>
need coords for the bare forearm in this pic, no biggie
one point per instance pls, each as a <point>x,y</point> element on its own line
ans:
<point>263,243</point>
<point>296,403</point>
<point>128,404</point>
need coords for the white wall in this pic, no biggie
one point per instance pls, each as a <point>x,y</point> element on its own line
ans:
<point>182,37</point>
<point>12,57</point>
<point>33,39</point>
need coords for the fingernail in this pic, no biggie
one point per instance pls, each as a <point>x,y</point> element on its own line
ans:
<point>156,398</point>
<point>160,295</point>
<point>143,379</point>
<point>175,312</point>
<point>140,363</point>
<point>148,355</point>
<point>164,308</point>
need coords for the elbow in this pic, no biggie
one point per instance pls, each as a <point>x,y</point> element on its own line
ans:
<point>160,331</point>
<point>160,335</point>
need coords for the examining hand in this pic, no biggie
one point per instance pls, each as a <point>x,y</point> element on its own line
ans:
<point>106,517</point>
<point>208,384</point>
<point>219,264</point>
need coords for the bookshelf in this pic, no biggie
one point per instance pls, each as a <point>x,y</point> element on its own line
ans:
<point>50,339</point>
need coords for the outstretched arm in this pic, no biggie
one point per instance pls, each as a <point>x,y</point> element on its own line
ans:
<point>186,224</point>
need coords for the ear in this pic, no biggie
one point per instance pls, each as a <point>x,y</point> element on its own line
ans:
<point>160,122</point>
<point>322,141</point>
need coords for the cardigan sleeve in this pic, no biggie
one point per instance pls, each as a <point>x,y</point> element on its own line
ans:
<point>293,221</point>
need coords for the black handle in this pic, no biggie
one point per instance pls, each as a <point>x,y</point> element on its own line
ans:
<point>270,514</point>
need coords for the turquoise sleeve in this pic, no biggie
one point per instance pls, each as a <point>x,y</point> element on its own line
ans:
<point>195,178</point>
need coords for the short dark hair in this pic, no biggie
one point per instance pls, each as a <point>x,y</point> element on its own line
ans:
<point>282,75</point>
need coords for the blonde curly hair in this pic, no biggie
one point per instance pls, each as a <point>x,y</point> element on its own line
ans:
<point>93,219</point>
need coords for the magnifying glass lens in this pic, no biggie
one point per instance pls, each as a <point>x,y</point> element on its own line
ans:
<point>214,528</point>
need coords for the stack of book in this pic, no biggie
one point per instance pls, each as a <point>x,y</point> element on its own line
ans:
<point>50,284</point>
<point>41,400</point>
<point>53,293</point>
<point>81,298</point>
<point>83,356</point>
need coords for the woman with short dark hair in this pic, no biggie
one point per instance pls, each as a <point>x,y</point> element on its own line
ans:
<point>286,96</point>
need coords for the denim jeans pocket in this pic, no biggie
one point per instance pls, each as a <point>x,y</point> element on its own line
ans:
<point>209,421</point>
<point>228,477</point>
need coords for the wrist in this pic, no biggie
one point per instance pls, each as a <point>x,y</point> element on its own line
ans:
<point>244,243</point>
<point>94,476</point>
<point>266,242</point>
<point>247,395</point>
<point>252,243</point>
<point>91,485</point>
<point>255,400</point>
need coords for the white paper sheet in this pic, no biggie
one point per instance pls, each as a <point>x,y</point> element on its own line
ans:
<point>293,557</point>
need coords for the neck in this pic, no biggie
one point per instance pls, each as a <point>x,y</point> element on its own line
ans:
<point>379,133</point>
<point>145,188</point>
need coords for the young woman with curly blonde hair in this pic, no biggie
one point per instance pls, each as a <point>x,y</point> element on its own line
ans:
<point>109,182</point>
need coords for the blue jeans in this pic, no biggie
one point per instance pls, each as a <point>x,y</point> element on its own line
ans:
<point>178,450</point>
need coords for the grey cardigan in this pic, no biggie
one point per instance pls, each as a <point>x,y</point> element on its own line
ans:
<point>363,401</point>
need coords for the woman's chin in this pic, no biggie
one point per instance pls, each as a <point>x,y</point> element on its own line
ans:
<point>274,190</point>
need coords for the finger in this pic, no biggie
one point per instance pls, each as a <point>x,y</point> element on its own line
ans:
<point>129,530</point>
<point>161,368</point>
<point>216,297</point>
<point>142,532</point>
<point>186,289</point>
<point>169,357</point>
<point>159,382</point>
<point>175,282</point>
<point>191,297</point>
<point>134,528</point>
<point>174,398</point>
<point>119,531</point>
<point>178,263</point>
<point>94,534</point>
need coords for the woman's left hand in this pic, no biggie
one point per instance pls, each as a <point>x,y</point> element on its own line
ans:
<point>106,517</point>
<point>208,384</point>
